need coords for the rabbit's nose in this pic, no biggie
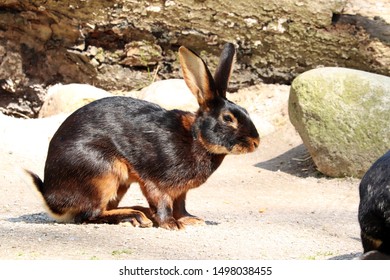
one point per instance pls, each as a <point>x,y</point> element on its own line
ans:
<point>254,142</point>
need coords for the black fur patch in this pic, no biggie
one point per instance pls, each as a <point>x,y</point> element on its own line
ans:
<point>374,207</point>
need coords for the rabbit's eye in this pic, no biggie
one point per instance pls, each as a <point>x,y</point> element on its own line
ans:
<point>227,118</point>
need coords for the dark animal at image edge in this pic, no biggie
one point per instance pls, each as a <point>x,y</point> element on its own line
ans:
<point>374,210</point>
<point>103,147</point>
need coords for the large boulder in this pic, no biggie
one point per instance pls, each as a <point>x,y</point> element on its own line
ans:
<point>343,118</point>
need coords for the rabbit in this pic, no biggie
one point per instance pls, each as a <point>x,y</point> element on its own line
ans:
<point>374,206</point>
<point>103,147</point>
<point>374,255</point>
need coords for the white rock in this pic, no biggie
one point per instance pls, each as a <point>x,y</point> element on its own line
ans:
<point>170,94</point>
<point>70,97</point>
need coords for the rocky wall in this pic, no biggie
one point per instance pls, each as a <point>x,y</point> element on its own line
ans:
<point>127,44</point>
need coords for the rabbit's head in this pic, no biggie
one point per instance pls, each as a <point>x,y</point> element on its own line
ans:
<point>220,125</point>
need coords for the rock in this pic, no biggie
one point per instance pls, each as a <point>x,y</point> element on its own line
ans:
<point>276,40</point>
<point>342,116</point>
<point>170,94</point>
<point>114,77</point>
<point>266,104</point>
<point>68,98</point>
<point>142,54</point>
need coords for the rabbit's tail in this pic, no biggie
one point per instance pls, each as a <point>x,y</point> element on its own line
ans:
<point>59,217</point>
<point>36,180</point>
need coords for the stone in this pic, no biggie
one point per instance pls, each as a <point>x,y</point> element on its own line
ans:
<point>342,116</point>
<point>266,104</point>
<point>142,54</point>
<point>170,94</point>
<point>68,98</point>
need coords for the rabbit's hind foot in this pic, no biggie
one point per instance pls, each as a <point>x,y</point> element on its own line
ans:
<point>121,215</point>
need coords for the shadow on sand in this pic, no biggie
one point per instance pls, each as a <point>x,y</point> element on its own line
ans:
<point>296,161</point>
<point>37,218</point>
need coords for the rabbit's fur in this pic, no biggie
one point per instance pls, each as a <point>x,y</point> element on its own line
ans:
<point>103,147</point>
<point>374,255</point>
<point>374,207</point>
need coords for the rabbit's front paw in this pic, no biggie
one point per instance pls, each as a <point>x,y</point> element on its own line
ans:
<point>191,221</point>
<point>172,224</point>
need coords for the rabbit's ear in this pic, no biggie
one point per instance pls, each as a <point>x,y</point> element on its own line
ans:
<point>225,69</point>
<point>197,76</point>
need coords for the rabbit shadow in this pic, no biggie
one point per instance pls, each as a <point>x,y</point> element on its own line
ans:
<point>36,218</point>
<point>44,218</point>
<point>350,256</point>
<point>296,161</point>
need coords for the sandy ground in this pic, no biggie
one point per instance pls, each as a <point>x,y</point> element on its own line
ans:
<point>271,205</point>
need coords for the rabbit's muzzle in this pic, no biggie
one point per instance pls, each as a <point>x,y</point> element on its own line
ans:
<point>248,145</point>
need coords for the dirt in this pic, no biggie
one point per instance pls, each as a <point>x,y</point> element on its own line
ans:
<point>271,204</point>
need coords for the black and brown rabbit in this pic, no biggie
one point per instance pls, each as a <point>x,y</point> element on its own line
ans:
<point>374,209</point>
<point>103,147</point>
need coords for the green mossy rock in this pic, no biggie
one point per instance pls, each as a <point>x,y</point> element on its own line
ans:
<point>343,118</point>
